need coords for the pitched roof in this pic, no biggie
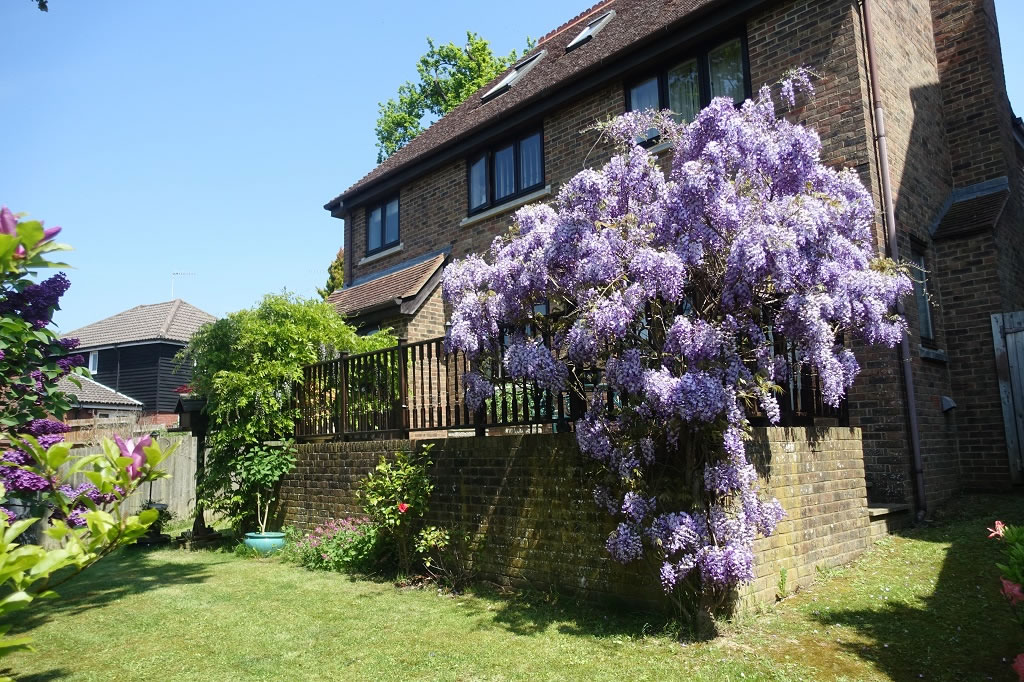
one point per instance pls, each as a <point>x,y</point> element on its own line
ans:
<point>389,289</point>
<point>972,209</point>
<point>636,23</point>
<point>173,321</point>
<point>93,392</point>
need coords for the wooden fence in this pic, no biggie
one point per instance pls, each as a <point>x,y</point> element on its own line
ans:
<point>178,492</point>
<point>360,397</point>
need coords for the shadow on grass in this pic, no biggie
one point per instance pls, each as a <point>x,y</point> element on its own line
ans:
<point>534,613</point>
<point>127,572</point>
<point>46,676</point>
<point>964,628</point>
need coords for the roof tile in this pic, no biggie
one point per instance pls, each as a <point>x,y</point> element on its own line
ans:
<point>93,392</point>
<point>170,321</point>
<point>635,23</point>
<point>402,284</point>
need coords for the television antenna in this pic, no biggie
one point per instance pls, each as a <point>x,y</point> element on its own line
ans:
<point>178,274</point>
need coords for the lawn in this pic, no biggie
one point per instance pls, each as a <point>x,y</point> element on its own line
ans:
<point>924,605</point>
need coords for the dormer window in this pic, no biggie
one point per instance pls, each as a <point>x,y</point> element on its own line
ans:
<point>517,72</point>
<point>691,83</point>
<point>590,31</point>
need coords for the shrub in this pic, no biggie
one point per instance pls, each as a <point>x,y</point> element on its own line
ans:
<point>447,556</point>
<point>339,545</point>
<point>395,495</point>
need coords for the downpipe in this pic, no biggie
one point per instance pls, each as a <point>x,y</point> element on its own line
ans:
<point>882,149</point>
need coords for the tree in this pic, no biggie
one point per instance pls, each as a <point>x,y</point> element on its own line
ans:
<point>245,365</point>
<point>335,275</point>
<point>448,74</point>
<point>678,287</point>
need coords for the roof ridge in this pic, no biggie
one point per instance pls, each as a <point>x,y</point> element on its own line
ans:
<point>582,16</point>
<point>176,305</point>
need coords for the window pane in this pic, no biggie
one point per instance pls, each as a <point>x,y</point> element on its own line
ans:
<point>391,222</point>
<point>478,183</point>
<point>725,64</point>
<point>684,91</point>
<point>924,310</point>
<point>529,162</point>
<point>504,173</point>
<point>644,95</point>
<point>373,230</point>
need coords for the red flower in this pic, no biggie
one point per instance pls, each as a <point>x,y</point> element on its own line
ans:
<point>402,507</point>
<point>1012,591</point>
<point>998,531</point>
<point>1018,666</point>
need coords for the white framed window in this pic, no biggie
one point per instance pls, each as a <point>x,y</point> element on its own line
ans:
<point>94,361</point>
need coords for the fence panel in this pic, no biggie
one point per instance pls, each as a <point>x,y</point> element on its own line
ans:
<point>417,387</point>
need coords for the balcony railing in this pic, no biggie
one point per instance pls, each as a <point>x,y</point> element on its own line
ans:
<point>418,387</point>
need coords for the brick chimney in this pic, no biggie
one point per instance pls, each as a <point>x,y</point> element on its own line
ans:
<point>976,109</point>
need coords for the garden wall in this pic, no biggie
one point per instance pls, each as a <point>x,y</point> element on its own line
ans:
<point>527,500</point>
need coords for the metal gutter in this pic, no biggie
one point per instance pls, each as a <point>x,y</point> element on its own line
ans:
<point>882,149</point>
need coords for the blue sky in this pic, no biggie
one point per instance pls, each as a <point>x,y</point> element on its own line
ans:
<point>205,137</point>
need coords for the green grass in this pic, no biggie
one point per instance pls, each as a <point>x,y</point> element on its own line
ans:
<point>926,603</point>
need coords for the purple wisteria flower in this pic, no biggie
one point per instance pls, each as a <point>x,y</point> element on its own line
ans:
<point>677,282</point>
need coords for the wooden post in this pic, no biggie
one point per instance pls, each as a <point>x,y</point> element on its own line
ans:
<point>403,384</point>
<point>341,416</point>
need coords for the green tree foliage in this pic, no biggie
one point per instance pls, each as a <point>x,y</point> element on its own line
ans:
<point>448,74</point>
<point>335,275</point>
<point>246,365</point>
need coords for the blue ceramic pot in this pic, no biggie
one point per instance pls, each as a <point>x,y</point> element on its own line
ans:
<point>265,543</point>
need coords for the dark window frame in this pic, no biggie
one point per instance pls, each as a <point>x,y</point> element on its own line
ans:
<point>488,153</point>
<point>382,205</point>
<point>919,252</point>
<point>699,52</point>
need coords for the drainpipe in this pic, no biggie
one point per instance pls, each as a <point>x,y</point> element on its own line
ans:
<point>882,149</point>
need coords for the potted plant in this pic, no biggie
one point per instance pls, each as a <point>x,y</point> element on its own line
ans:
<point>261,467</point>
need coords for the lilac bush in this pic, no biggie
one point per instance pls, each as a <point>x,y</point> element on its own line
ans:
<point>33,359</point>
<point>676,283</point>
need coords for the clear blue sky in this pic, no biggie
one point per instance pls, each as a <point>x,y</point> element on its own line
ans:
<point>206,136</point>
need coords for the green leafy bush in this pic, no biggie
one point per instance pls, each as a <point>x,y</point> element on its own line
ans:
<point>395,497</point>
<point>447,556</point>
<point>339,545</point>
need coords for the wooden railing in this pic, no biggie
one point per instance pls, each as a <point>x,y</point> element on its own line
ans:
<point>417,387</point>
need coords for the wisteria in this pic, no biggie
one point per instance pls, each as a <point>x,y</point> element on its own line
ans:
<point>677,283</point>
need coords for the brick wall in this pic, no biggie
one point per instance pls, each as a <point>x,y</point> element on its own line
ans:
<point>527,498</point>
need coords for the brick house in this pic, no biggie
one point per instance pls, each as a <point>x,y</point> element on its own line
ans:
<point>955,156</point>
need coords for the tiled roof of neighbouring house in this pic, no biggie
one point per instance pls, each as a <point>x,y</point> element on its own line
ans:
<point>636,23</point>
<point>384,290</point>
<point>972,209</point>
<point>173,321</point>
<point>94,393</point>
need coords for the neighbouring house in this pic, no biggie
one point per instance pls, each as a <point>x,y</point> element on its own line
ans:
<point>132,353</point>
<point>93,400</point>
<point>954,161</point>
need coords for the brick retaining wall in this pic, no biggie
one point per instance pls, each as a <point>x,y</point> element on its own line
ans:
<point>527,498</point>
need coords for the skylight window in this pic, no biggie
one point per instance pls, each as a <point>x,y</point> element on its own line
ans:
<point>515,74</point>
<point>590,31</point>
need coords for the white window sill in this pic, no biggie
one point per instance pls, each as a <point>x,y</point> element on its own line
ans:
<point>936,354</point>
<point>382,254</point>
<point>505,208</point>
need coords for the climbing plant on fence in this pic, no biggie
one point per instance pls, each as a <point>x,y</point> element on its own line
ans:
<point>677,284</point>
<point>246,366</point>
